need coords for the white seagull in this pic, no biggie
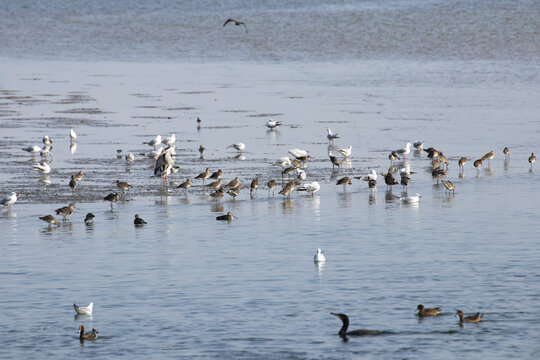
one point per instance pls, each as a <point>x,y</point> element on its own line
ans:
<point>170,140</point>
<point>130,157</point>
<point>9,200</point>
<point>311,188</point>
<point>32,149</point>
<point>271,123</point>
<point>418,145</point>
<point>72,135</point>
<point>47,140</point>
<point>154,142</point>
<point>43,168</point>
<point>346,152</point>
<point>84,310</point>
<point>298,153</point>
<point>371,176</point>
<point>411,199</point>
<point>239,146</point>
<point>405,151</point>
<point>319,257</point>
<point>331,136</point>
<point>283,161</point>
<point>301,175</point>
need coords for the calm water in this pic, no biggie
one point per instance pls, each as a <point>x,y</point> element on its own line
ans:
<point>462,76</point>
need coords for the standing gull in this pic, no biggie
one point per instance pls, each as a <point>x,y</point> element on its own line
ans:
<point>154,142</point>
<point>331,136</point>
<point>170,140</point>
<point>405,151</point>
<point>311,188</point>
<point>346,152</point>
<point>9,200</point>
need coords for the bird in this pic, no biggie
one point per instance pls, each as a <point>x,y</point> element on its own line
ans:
<point>218,194</point>
<point>164,164</point>
<point>344,181</point>
<point>286,190</point>
<point>439,173</point>
<point>361,332</point>
<point>331,136</point>
<point>371,176</point>
<point>112,198</point>
<point>72,135</point>
<point>393,156</point>
<point>65,211</point>
<point>271,185</point>
<point>488,156</point>
<point>216,175</point>
<point>199,120</point>
<point>422,311</point>
<point>185,185</point>
<point>418,145</point>
<point>47,140</point>
<point>122,185</point>
<point>43,167</point>
<point>405,180</point>
<point>461,162</point>
<point>79,176</point>
<point>170,140</point>
<point>372,184</point>
<point>311,188</point>
<point>9,200</point>
<point>506,151</point>
<point>411,199</point>
<point>92,335</point>
<point>471,318</point>
<point>32,149</point>
<point>89,219</point>
<point>282,161</point>
<point>448,186</point>
<point>389,179</point>
<point>301,175</point>
<point>272,124</point>
<point>319,257</point>
<point>298,153</point>
<point>335,161</point>
<point>532,159</point>
<point>202,150</point>
<point>154,142</point>
<point>346,152</point>
<point>49,219</point>
<point>254,184</point>
<point>138,220</point>
<point>234,192</point>
<point>130,157</point>
<point>233,184</point>
<point>203,176</point>
<point>239,146</point>
<point>235,22</point>
<point>405,151</point>
<point>227,217</point>
<point>72,183</point>
<point>478,163</point>
<point>84,310</point>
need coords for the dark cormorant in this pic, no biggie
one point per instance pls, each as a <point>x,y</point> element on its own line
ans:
<point>360,332</point>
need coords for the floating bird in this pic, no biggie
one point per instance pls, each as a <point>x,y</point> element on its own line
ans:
<point>170,140</point>
<point>216,175</point>
<point>164,164</point>
<point>298,153</point>
<point>130,157</point>
<point>92,335</point>
<point>112,198</point>
<point>311,188</point>
<point>227,217</point>
<point>361,332</point>
<point>344,181</point>
<point>422,311</point>
<point>32,149</point>
<point>233,184</point>
<point>79,176</point>
<point>202,150</point>
<point>154,142</point>
<point>471,318</point>
<point>43,168</point>
<point>9,200</point>
<point>411,199</point>
<point>72,183</point>
<point>49,219</point>
<point>239,146</point>
<point>405,151</point>
<point>346,152</point>
<point>272,124</point>
<point>234,192</point>
<point>65,211</point>
<point>84,310</point>
<point>506,152</point>
<point>235,22</point>
<point>185,185</point>
<point>319,257</point>
<point>138,220</point>
<point>449,186</point>
<point>72,135</point>
<point>418,145</point>
<point>254,184</point>
<point>532,159</point>
<point>89,219</point>
<point>203,176</point>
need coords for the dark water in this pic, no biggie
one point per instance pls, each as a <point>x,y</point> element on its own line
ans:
<point>188,286</point>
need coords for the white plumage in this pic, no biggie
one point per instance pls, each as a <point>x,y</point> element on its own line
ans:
<point>84,310</point>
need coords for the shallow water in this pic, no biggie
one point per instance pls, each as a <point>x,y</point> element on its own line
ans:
<point>187,285</point>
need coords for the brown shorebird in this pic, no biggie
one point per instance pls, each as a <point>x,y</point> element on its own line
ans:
<point>233,184</point>
<point>203,176</point>
<point>405,181</point>
<point>122,185</point>
<point>393,156</point>
<point>218,194</point>
<point>235,22</point>
<point>432,152</point>
<point>216,175</point>
<point>335,161</point>
<point>422,311</point>
<point>439,173</point>
<point>227,217</point>
<point>532,159</point>
<point>344,181</point>
<point>89,219</point>
<point>49,219</point>
<point>215,184</point>
<point>506,152</point>
<point>112,198</point>
<point>202,150</point>
<point>478,164</point>
<point>72,183</point>
<point>254,184</point>
<point>488,156</point>
<point>185,185</point>
<point>65,211</point>
<point>138,220</point>
<point>461,162</point>
<point>234,192</point>
<point>442,159</point>
<point>448,186</point>
<point>287,171</point>
<point>286,191</point>
<point>471,318</point>
<point>79,176</point>
<point>271,185</point>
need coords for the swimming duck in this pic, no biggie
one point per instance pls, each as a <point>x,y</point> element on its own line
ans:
<point>422,311</point>
<point>471,318</point>
<point>92,335</point>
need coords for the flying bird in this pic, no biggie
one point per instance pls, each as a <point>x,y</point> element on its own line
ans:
<point>235,22</point>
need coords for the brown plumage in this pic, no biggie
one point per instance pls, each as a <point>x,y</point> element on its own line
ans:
<point>422,311</point>
<point>532,159</point>
<point>65,211</point>
<point>49,219</point>
<point>449,186</point>
<point>72,183</point>
<point>138,220</point>
<point>254,184</point>
<point>471,318</point>
<point>227,217</point>
<point>92,335</point>
<point>389,179</point>
<point>335,161</point>
<point>112,198</point>
<point>478,163</point>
